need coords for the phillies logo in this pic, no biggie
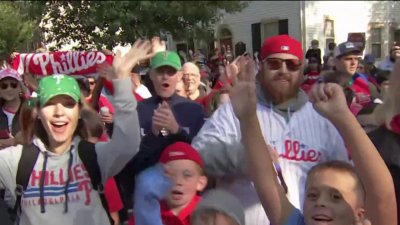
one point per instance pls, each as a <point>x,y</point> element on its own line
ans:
<point>295,151</point>
<point>68,62</point>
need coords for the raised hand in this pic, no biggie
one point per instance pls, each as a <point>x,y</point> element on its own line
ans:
<point>107,51</point>
<point>30,81</point>
<point>243,90</point>
<point>123,65</point>
<point>158,45</point>
<point>396,50</point>
<point>329,100</point>
<point>105,71</point>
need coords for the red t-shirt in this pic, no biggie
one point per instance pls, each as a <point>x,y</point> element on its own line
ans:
<point>313,76</point>
<point>112,196</point>
<point>103,102</point>
<point>169,218</point>
<point>395,124</point>
<point>361,90</point>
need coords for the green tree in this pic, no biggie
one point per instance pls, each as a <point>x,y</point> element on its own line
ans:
<point>18,27</point>
<point>96,24</point>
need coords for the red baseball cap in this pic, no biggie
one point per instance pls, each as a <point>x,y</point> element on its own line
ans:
<point>10,73</point>
<point>281,44</point>
<point>181,150</point>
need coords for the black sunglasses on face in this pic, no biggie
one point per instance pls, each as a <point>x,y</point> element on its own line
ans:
<point>13,85</point>
<point>276,63</point>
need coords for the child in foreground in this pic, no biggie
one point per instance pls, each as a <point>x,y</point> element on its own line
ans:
<point>336,192</point>
<point>185,172</point>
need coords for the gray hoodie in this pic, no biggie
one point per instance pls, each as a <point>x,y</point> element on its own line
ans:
<point>84,204</point>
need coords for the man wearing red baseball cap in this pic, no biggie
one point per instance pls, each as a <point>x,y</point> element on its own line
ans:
<point>295,131</point>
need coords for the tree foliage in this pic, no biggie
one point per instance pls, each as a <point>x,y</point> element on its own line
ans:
<point>18,26</point>
<point>95,24</point>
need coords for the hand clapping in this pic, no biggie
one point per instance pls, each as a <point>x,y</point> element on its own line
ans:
<point>163,118</point>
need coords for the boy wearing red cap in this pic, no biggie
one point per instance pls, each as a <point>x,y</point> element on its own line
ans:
<point>186,168</point>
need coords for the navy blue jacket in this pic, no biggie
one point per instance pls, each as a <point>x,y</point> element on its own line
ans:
<point>189,115</point>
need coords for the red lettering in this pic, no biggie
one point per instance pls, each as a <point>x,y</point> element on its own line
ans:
<point>296,147</point>
<point>62,182</point>
<point>52,180</point>
<point>85,186</point>
<point>77,172</point>
<point>35,178</point>
<point>310,155</point>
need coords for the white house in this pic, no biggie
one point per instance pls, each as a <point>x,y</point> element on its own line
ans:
<point>326,21</point>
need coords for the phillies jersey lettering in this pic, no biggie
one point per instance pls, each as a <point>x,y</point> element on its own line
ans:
<point>294,150</point>
<point>79,187</point>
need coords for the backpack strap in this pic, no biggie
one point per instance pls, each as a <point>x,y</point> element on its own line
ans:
<point>26,163</point>
<point>87,153</point>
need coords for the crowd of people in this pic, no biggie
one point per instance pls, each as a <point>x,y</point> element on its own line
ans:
<point>160,137</point>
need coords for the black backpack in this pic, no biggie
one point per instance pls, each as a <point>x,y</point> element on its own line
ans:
<point>30,153</point>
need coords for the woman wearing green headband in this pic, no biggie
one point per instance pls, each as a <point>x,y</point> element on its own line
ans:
<point>60,188</point>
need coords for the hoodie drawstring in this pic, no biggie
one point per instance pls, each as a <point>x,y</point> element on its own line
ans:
<point>290,124</point>
<point>42,179</point>
<point>68,181</point>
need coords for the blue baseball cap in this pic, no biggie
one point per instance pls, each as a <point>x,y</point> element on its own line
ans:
<point>346,48</point>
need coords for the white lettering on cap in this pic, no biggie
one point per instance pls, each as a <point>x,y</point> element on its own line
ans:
<point>350,45</point>
<point>285,48</point>
<point>172,154</point>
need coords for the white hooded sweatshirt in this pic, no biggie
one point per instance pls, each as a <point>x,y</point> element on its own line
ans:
<point>84,206</point>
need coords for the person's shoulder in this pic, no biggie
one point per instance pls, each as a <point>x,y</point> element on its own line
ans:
<point>188,102</point>
<point>146,102</point>
<point>295,218</point>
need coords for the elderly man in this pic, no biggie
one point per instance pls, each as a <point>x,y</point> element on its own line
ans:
<point>298,134</point>
<point>191,76</point>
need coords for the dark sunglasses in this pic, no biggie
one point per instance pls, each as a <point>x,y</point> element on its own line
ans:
<point>276,63</point>
<point>13,85</point>
<point>92,82</point>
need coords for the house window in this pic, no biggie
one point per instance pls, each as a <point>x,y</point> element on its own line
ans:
<point>329,32</point>
<point>397,37</point>
<point>329,28</point>
<point>376,42</point>
<point>272,28</point>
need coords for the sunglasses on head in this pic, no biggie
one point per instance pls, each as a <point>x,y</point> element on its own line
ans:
<point>13,85</point>
<point>276,63</point>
